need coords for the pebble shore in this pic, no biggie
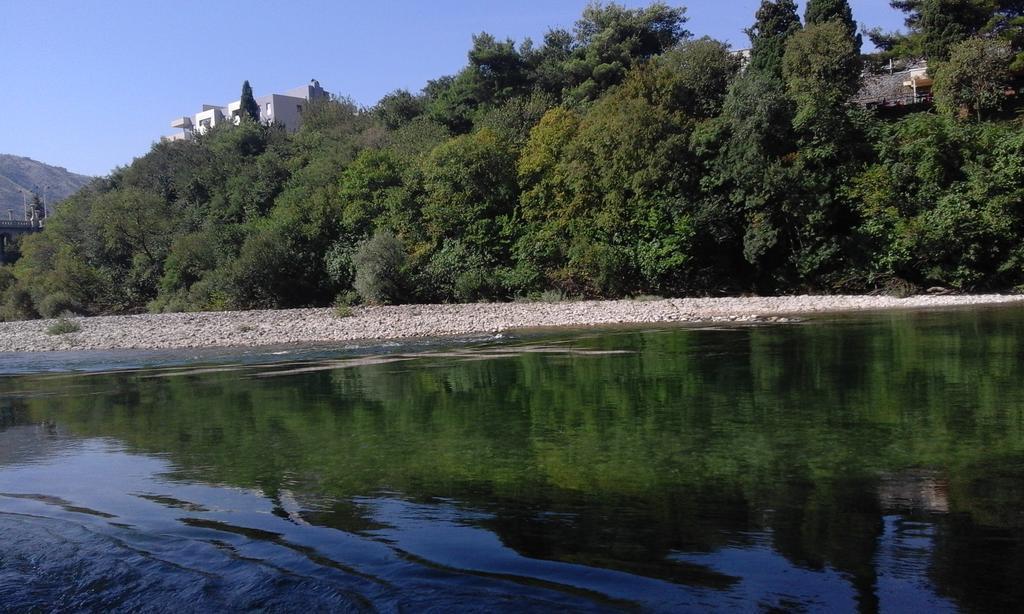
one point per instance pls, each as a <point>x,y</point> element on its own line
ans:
<point>266,328</point>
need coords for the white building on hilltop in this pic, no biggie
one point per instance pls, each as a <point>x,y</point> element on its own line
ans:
<point>284,109</point>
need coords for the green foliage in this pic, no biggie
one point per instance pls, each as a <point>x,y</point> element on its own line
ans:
<point>824,11</point>
<point>469,190</point>
<point>975,79</point>
<point>703,68</point>
<point>941,206</point>
<point>380,263</point>
<point>749,152</point>
<point>7,278</point>
<point>63,326</point>
<point>15,301</point>
<point>17,304</point>
<point>935,27</point>
<point>775,22</point>
<point>399,108</point>
<point>373,191</point>
<point>250,109</point>
<point>456,272</point>
<point>821,68</point>
<point>57,304</point>
<point>343,310</point>
<point>611,39</point>
<point>605,194</point>
<point>513,120</point>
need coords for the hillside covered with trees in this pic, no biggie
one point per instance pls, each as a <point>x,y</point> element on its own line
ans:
<point>625,156</point>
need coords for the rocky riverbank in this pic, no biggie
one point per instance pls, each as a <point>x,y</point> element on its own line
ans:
<point>263,328</point>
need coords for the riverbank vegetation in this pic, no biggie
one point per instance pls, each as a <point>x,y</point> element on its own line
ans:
<point>625,156</point>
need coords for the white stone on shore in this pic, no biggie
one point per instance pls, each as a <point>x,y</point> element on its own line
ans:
<point>261,328</point>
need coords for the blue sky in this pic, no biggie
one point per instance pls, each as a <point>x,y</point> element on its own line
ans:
<point>89,85</point>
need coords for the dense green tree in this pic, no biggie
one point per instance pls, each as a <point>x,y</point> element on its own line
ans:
<point>605,194</point>
<point>545,194</point>
<point>823,11</point>
<point>547,64</point>
<point>416,139</point>
<point>1007,23</point>
<point>775,22</point>
<point>452,102</point>
<point>751,168</point>
<point>496,72</point>
<point>7,278</point>
<point>469,191</point>
<point>399,108</point>
<point>611,39</point>
<point>514,119</point>
<point>497,68</point>
<point>249,107</point>
<point>975,79</point>
<point>378,190</point>
<point>941,204</point>
<point>935,26</point>
<point>192,260</point>
<point>704,68</point>
<point>821,68</point>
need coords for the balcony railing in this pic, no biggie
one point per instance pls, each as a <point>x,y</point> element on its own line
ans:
<point>15,224</point>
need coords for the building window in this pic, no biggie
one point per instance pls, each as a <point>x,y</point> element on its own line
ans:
<point>299,108</point>
<point>270,111</point>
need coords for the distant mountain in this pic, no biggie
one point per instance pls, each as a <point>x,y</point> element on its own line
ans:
<point>18,173</point>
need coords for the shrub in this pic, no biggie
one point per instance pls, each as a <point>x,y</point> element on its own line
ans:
<point>17,304</point>
<point>456,273</point>
<point>58,303</point>
<point>553,296</point>
<point>900,288</point>
<point>338,264</point>
<point>63,326</point>
<point>264,276</point>
<point>350,298</point>
<point>379,264</point>
<point>7,279</point>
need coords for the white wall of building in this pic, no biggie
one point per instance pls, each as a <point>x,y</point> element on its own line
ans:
<point>283,109</point>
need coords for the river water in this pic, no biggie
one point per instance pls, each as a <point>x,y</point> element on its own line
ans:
<point>871,463</point>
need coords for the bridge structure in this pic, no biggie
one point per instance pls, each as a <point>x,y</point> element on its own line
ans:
<point>11,230</point>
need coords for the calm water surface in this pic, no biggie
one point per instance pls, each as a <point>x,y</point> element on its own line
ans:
<point>869,463</point>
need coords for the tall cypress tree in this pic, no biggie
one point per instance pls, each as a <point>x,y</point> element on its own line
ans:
<point>249,107</point>
<point>824,11</point>
<point>776,21</point>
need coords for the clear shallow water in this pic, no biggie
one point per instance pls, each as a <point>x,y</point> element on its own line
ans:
<point>868,463</point>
